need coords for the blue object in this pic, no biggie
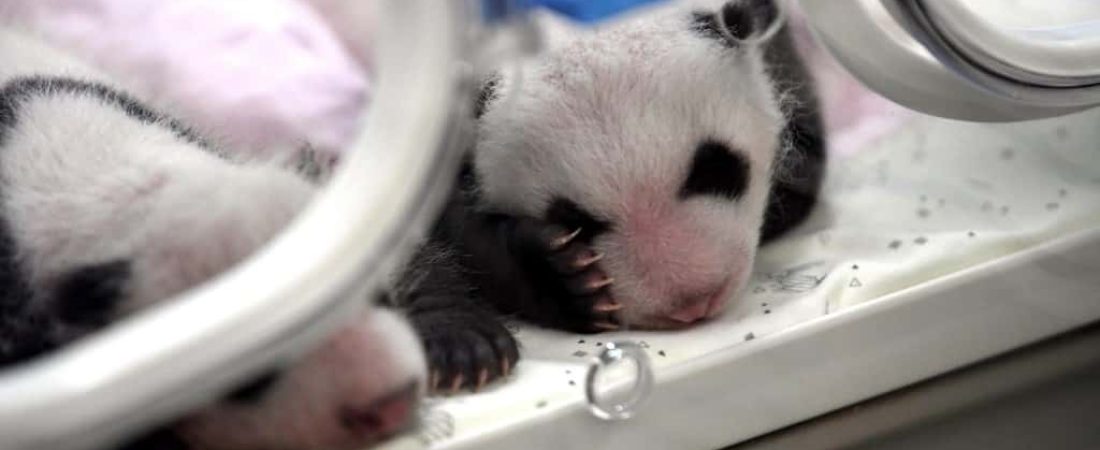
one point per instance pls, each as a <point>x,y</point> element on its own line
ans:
<point>585,11</point>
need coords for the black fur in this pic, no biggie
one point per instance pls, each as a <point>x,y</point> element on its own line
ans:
<point>486,94</point>
<point>716,170</point>
<point>463,337</point>
<point>255,390</point>
<point>163,439</point>
<point>481,264</point>
<point>800,169</point>
<point>89,296</point>
<point>24,333</point>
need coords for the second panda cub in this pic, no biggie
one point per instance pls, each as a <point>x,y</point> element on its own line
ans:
<point>626,180</point>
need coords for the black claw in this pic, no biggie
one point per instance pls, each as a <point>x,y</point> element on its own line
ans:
<point>466,348</point>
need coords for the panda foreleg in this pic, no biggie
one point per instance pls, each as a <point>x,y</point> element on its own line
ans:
<point>466,342</point>
<point>546,272</point>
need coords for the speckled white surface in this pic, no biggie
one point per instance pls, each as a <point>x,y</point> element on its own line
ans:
<point>931,199</point>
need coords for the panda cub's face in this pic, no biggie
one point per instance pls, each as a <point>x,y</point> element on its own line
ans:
<point>660,139</point>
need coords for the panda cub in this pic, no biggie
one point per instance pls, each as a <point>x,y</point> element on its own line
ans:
<point>625,181</point>
<point>108,206</point>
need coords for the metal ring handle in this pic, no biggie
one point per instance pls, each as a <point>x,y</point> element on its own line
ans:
<point>618,353</point>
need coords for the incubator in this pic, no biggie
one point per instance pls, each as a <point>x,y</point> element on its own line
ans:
<point>960,221</point>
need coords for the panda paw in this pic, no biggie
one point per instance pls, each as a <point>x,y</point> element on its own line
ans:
<point>567,270</point>
<point>466,349</point>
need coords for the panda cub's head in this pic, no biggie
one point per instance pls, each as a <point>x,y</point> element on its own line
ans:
<point>660,135</point>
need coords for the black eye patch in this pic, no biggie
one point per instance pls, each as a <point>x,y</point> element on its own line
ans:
<point>716,170</point>
<point>568,214</point>
<point>90,295</point>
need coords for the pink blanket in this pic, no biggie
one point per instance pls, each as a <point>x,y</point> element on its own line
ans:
<point>261,74</point>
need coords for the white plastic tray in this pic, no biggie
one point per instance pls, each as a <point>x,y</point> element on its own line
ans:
<point>944,244</point>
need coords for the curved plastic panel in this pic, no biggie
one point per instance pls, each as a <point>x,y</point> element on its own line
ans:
<point>868,38</point>
<point>287,295</point>
<point>956,51</point>
<point>1063,56</point>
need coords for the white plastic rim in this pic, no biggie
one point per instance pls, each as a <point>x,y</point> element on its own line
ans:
<point>878,48</point>
<point>285,297</point>
<point>1064,56</point>
<point>1017,67</point>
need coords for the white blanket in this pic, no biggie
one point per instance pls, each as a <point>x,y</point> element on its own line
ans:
<point>931,199</point>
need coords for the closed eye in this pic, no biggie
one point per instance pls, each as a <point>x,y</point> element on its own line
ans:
<point>716,170</point>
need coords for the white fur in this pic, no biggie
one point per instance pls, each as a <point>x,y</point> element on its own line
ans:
<point>611,121</point>
<point>84,183</point>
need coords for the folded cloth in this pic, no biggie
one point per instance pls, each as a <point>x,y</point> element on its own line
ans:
<point>260,74</point>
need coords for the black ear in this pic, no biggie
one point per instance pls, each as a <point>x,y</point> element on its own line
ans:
<point>737,21</point>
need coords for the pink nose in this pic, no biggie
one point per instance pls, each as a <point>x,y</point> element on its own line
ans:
<point>692,311</point>
<point>383,418</point>
<point>700,306</point>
